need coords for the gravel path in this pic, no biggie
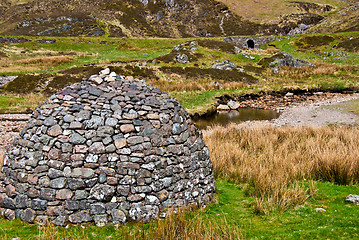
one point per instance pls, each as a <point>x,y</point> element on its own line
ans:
<point>316,114</point>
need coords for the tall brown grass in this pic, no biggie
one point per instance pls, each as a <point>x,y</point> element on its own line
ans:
<point>271,161</point>
<point>184,225</point>
<point>46,60</point>
<point>320,69</point>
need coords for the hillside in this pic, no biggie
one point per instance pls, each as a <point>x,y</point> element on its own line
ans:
<point>130,18</point>
<point>163,18</point>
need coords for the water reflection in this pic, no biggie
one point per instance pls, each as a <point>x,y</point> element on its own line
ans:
<point>245,114</point>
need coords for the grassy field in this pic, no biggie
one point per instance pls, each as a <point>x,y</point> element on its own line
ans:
<point>269,185</point>
<point>194,84</point>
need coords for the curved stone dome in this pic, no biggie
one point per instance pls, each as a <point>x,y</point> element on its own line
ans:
<point>109,149</point>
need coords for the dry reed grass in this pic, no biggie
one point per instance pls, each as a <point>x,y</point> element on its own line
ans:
<point>192,226</point>
<point>320,69</point>
<point>185,225</point>
<point>272,160</point>
<point>30,101</point>
<point>178,83</point>
<point>46,60</point>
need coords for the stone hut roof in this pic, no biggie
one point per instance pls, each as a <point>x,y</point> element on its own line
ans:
<point>108,149</point>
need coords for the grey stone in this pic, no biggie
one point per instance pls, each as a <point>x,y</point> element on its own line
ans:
<point>102,192</point>
<point>76,183</point>
<point>352,199</point>
<point>59,221</point>
<point>80,217</point>
<point>100,220</point>
<point>83,172</point>
<point>77,139</point>
<point>58,183</point>
<point>54,173</point>
<point>47,194</point>
<point>38,204</point>
<point>28,215</point>
<point>97,208</point>
<point>72,205</point>
<point>118,216</point>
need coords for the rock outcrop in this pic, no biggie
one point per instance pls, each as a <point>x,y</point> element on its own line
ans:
<point>108,149</point>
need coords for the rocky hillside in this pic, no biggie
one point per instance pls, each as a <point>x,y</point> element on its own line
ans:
<point>130,18</point>
<point>168,18</point>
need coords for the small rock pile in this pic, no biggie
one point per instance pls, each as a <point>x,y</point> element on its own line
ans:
<point>109,149</point>
<point>286,59</point>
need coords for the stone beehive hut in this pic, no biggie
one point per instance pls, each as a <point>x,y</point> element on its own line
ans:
<point>110,149</point>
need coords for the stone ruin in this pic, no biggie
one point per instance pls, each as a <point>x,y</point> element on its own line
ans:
<point>107,150</point>
<point>250,42</point>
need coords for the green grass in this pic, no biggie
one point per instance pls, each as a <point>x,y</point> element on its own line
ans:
<point>233,206</point>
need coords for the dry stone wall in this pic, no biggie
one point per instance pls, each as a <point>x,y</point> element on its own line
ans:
<point>109,149</point>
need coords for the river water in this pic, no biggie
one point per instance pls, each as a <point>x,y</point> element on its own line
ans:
<point>226,117</point>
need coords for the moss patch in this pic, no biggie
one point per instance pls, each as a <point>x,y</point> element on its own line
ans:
<point>314,41</point>
<point>213,44</point>
<point>351,45</point>
<point>192,57</point>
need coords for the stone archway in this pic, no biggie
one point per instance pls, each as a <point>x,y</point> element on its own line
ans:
<point>250,43</point>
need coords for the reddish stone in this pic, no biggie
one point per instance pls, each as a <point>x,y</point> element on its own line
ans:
<point>54,154</point>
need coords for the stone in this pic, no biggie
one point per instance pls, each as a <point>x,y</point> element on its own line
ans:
<point>97,208</point>
<point>108,150</point>
<point>47,194</point>
<point>38,204</point>
<point>97,148</point>
<point>352,199</point>
<point>127,128</point>
<point>64,194</point>
<point>59,221</point>
<point>102,192</point>
<point>100,220</point>
<point>28,215</point>
<point>80,217</point>
<point>223,107</point>
<point>58,183</point>
<point>77,139</point>
<point>118,216</point>
<point>83,172</point>
<point>76,183</point>
<point>41,220</point>
<point>9,214</point>
<point>233,105</point>
<point>120,143</point>
<point>225,65</point>
<point>321,210</point>
<point>54,131</point>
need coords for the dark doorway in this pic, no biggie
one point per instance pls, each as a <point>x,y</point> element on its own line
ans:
<point>250,43</point>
